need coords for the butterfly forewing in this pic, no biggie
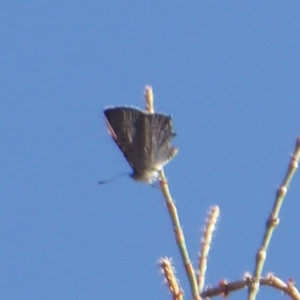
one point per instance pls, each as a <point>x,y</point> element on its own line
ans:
<point>122,127</point>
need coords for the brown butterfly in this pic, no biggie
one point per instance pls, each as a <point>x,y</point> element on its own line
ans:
<point>143,138</point>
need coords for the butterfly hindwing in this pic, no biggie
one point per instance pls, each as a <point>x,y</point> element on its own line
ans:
<point>162,134</point>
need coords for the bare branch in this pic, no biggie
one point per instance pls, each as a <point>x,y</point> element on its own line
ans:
<point>173,214</point>
<point>272,222</point>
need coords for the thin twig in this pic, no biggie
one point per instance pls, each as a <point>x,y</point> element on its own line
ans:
<point>170,278</point>
<point>206,242</point>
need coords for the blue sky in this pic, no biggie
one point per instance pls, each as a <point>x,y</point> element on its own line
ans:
<point>227,72</point>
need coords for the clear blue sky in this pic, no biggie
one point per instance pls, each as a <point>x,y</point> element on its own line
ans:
<point>229,74</point>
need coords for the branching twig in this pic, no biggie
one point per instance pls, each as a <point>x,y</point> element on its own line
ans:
<point>179,236</point>
<point>225,288</point>
<point>173,214</point>
<point>272,222</point>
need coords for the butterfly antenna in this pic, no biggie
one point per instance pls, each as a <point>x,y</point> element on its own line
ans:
<point>112,178</point>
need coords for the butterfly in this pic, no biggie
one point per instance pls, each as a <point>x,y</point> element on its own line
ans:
<point>144,139</point>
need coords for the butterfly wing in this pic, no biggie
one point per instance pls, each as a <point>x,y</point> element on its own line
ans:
<point>160,136</point>
<point>125,125</point>
<point>143,138</point>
